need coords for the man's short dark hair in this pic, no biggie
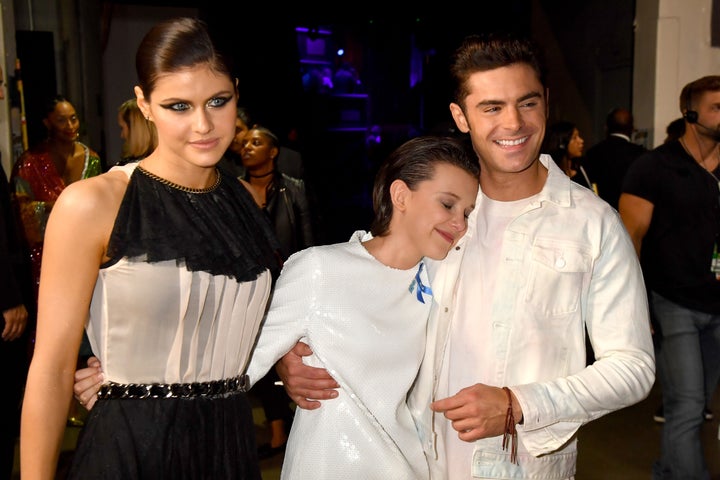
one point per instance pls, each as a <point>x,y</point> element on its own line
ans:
<point>480,53</point>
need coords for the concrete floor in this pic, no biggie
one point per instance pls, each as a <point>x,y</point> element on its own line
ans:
<point>623,445</point>
<point>619,446</point>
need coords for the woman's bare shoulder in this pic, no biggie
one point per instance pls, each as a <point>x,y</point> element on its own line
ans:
<point>94,197</point>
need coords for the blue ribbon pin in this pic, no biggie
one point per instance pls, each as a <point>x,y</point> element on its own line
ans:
<point>421,288</point>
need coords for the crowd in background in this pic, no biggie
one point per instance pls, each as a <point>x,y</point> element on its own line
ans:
<point>659,208</point>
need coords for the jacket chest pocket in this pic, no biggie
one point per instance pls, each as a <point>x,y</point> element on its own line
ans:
<point>556,278</point>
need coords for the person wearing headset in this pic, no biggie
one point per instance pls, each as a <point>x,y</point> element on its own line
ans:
<point>671,207</point>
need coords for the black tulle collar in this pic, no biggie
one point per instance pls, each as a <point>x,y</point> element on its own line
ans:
<point>222,231</point>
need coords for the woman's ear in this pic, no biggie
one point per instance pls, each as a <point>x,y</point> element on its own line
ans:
<point>399,195</point>
<point>143,104</point>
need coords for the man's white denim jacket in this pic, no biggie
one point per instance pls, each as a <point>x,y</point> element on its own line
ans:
<point>567,263</point>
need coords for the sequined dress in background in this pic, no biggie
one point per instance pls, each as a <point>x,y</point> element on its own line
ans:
<point>36,184</point>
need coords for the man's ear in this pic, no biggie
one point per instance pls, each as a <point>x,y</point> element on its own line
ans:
<point>459,117</point>
<point>399,193</point>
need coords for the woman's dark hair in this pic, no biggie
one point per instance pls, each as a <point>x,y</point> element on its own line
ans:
<point>267,133</point>
<point>243,114</point>
<point>557,138</point>
<point>413,162</point>
<point>52,102</point>
<point>174,45</point>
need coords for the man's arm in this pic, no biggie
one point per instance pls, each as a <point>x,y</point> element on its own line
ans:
<point>303,382</point>
<point>617,320</point>
<point>636,214</point>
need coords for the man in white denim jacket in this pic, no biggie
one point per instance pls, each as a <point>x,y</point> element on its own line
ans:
<point>565,262</point>
<point>543,260</point>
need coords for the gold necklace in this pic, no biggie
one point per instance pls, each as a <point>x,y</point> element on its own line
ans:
<point>181,187</point>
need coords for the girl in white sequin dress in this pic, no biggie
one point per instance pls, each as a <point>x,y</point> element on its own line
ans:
<point>362,307</point>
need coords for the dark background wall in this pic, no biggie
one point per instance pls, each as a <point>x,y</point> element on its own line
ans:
<point>400,58</point>
<point>402,62</point>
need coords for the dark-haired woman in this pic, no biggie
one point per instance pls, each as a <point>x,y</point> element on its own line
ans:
<point>284,200</point>
<point>37,179</point>
<point>565,145</point>
<point>43,171</point>
<point>173,261</point>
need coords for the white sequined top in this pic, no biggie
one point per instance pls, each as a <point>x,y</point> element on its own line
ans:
<point>366,326</point>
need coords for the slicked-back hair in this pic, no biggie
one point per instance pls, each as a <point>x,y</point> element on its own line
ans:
<point>413,162</point>
<point>174,45</point>
<point>481,53</point>
<point>52,102</point>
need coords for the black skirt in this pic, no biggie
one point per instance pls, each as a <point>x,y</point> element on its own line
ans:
<point>168,438</point>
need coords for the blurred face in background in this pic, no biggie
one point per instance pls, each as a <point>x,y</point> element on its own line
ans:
<point>63,123</point>
<point>240,131</point>
<point>258,154</point>
<point>124,129</point>
<point>575,145</point>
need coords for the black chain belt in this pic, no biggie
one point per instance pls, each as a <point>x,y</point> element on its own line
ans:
<point>174,390</point>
